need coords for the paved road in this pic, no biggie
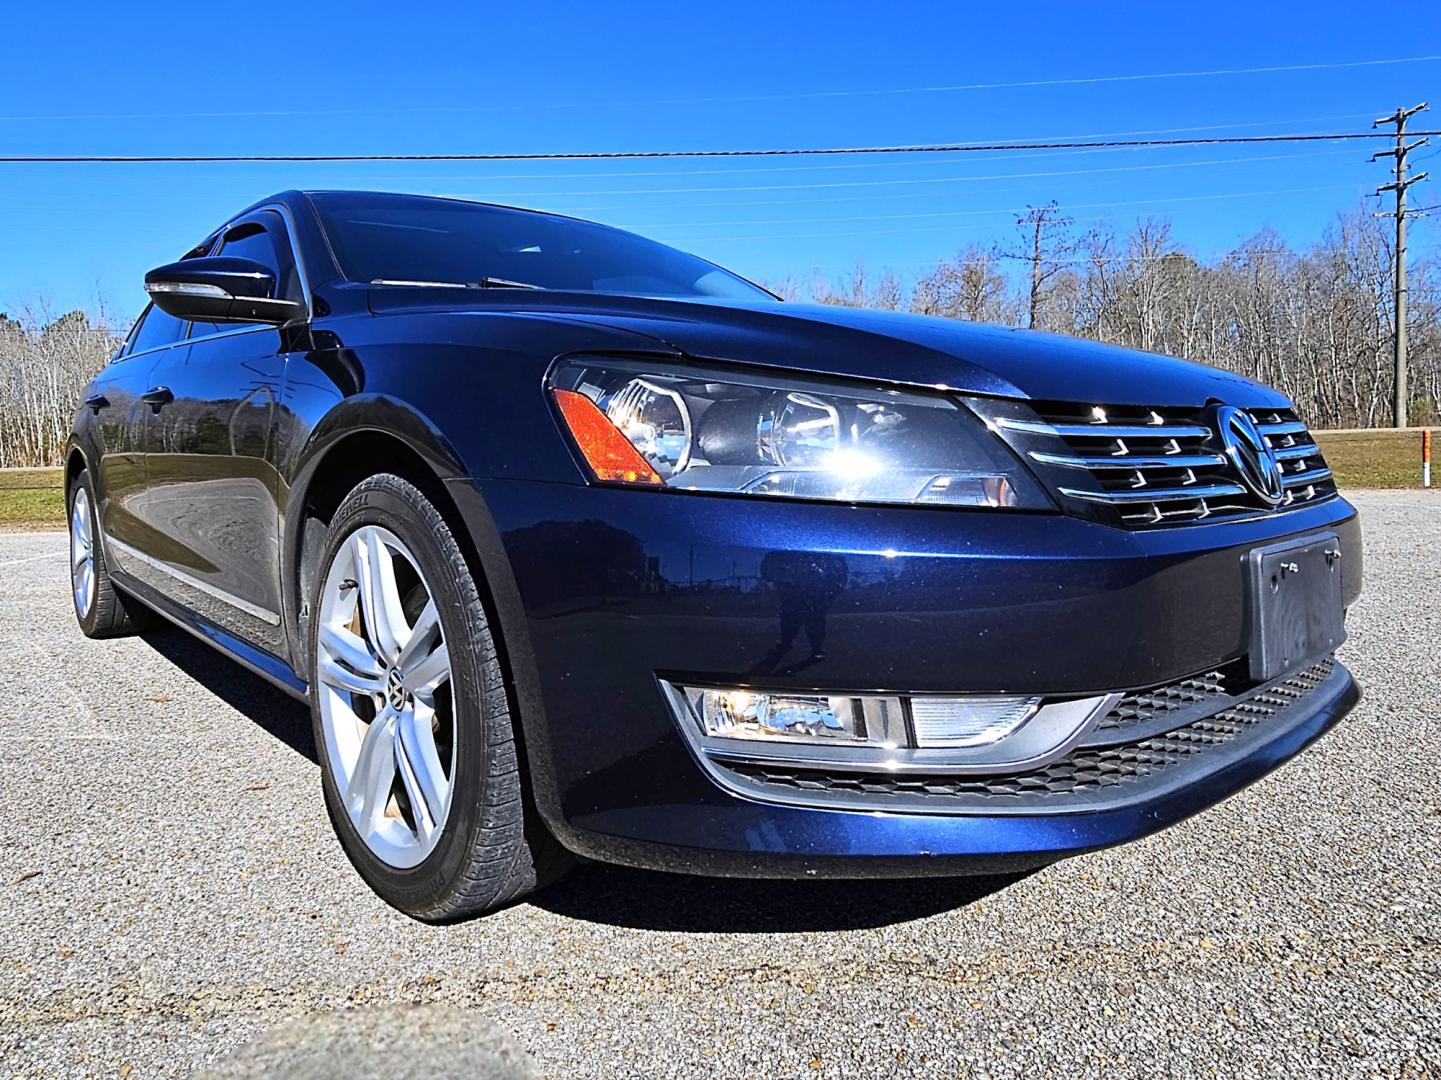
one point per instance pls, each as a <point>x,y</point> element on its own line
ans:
<point>169,887</point>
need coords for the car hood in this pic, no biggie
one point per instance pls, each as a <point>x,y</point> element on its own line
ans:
<point>914,349</point>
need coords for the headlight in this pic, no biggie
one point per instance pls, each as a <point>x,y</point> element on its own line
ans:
<point>713,430</point>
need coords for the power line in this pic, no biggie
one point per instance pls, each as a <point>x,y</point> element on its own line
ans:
<point>906,181</point>
<point>810,95</point>
<point>615,155</point>
<point>731,171</point>
<point>1156,204</point>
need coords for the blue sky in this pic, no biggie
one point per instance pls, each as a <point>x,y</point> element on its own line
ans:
<point>363,77</point>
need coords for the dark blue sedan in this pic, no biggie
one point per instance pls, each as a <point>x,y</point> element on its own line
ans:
<point>578,545</point>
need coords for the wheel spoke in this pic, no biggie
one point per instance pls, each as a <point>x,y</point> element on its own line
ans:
<point>418,764</point>
<point>380,601</point>
<point>428,672</point>
<point>349,649</point>
<point>417,643</point>
<point>369,791</point>
<point>342,678</point>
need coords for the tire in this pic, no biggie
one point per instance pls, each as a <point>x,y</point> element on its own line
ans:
<point>101,609</point>
<point>422,780</point>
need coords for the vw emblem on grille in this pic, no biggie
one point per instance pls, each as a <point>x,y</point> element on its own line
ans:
<point>1250,455</point>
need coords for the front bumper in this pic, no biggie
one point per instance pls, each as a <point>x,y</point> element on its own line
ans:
<point>599,591</point>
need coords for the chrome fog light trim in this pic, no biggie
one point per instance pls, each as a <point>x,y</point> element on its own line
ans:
<point>895,733</point>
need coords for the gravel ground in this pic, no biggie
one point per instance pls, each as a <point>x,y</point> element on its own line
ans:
<point>169,888</point>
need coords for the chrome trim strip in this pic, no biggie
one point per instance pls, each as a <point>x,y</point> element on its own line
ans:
<point>255,611</point>
<point>1157,495</point>
<point>1105,431</point>
<point>1291,453</point>
<point>1310,476</point>
<point>1286,427</point>
<point>1123,461</point>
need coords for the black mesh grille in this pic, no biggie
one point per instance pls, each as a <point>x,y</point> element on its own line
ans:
<point>1087,770</point>
<point>1144,706</point>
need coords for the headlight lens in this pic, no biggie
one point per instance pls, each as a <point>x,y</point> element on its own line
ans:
<point>711,430</point>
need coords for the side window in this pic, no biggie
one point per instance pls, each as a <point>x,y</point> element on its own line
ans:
<point>261,239</point>
<point>155,330</point>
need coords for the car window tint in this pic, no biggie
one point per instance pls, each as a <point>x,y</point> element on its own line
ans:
<point>205,329</point>
<point>409,240</point>
<point>155,330</point>
<point>265,241</point>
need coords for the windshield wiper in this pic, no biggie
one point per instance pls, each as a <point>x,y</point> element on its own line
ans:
<point>483,283</point>
<point>505,283</point>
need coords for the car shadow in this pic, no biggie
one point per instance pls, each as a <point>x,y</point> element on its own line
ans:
<point>266,706</point>
<point>616,895</point>
<point>647,900</point>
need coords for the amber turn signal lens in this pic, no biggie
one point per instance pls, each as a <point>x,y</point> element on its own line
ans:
<point>609,454</point>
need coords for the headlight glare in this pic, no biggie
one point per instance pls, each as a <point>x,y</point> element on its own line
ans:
<point>700,429</point>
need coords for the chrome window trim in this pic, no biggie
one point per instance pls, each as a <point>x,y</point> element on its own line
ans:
<point>234,331</point>
<point>127,354</point>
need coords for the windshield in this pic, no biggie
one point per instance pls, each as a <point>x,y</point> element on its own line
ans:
<point>419,241</point>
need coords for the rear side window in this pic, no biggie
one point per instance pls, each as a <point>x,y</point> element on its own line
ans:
<point>156,329</point>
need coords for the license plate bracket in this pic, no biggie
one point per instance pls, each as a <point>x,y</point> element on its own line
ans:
<point>1297,606</point>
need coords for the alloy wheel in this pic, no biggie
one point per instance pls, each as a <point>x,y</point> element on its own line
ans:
<point>82,553</point>
<point>383,684</point>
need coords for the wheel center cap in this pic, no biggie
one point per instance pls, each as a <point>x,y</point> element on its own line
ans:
<point>395,689</point>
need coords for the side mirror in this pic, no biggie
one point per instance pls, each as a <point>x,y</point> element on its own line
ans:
<point>220,289</point>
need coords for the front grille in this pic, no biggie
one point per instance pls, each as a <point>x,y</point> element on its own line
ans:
<point>1149,467</point>
<point>1074,781</point>
<point>1144,707</point>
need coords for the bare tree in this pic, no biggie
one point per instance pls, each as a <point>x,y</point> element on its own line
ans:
<point>1047,245</point>
<point>45,363</point>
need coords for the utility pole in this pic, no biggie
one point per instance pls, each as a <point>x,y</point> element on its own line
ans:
<point>1041,220</point>
<point>1399,186</point>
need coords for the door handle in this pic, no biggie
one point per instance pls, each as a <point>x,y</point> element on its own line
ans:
<point>157,396</point>
<point>97,402</point>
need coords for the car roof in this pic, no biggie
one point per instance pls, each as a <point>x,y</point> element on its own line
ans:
<point>343,197</point>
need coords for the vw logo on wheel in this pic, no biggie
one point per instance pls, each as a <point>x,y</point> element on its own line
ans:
<point>1250,455</point>
<point>395,689</point>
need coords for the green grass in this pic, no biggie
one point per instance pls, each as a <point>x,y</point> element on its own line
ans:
<point>33,499</point>
<point>1376,459</point>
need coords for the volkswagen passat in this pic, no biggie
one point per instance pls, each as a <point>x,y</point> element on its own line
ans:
<point>578,545</point>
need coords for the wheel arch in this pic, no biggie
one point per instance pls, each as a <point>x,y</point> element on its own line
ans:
<point>75,463</point>
<point>360,438</point>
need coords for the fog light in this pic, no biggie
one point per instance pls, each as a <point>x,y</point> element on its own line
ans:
<point>740,714</point>
<point>946,734</point>
<point>968,721</point>
<point>922,722</point>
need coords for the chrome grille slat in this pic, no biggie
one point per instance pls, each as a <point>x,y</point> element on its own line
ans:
<point>1307,478</point>
<point>1109,431</point>
<point>1157,494</point>
<point>1130,461</point>
<point>1284,427</point>
<point>1293,453</point>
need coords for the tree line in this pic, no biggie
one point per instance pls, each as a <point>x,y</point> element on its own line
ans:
<point>45,363</point>
<point>1316,323</point>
